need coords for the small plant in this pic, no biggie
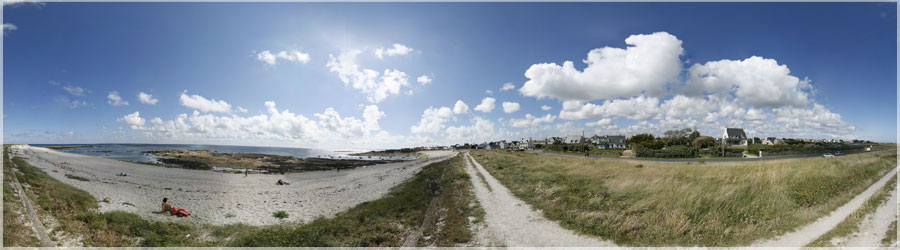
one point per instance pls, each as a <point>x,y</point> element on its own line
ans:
<point>77,177</point>
<point>229,215</point>
<point>702,162</point>
<point>105,200</point>
<point>127,204</point>
<point>639,166</point>
<point>280,214</point>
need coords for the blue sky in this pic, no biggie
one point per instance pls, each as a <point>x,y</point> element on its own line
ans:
<point>309,75</point>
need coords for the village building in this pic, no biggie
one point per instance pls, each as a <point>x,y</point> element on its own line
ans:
<point>734,136</point>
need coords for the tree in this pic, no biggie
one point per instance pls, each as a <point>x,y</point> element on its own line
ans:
<point>693,136</point>
<point>641,138</point>
<point>677,136</point>
<point>704,141</point>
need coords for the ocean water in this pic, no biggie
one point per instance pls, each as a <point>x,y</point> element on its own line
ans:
<point>135,152</point>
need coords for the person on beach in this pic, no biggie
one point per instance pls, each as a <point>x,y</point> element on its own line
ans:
<point>165,206</point>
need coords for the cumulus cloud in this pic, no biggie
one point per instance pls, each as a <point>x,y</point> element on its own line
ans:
<point>325,129</point>
<point>74,90</point>
<point>487,104</point>
<point>510,107</point>
<point>646,66</point>
<point>115,99</point>
<point>432,121</point>
<point>637,108</point>
<point>545,108</point>
<point>376,86</point>
<point>133,120</point>
<point>508,86</point>
<point>488,91</point>
<point>202,104</point>
<point>460,107</point>
<point>531,121</point>
<point>396,50</point>
<point>424,80</point>
<point>147,98</point>
<point>599,123</point>
<point>479,130</point>
<point>293,55</point>
<point>755,81</point>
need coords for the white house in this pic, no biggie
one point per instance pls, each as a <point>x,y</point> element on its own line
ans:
<point>771,141</point>
<point>574,139</point>
<point>735,136</point>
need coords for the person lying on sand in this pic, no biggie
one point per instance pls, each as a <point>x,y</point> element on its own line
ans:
<point>280,182</point>
<point>180,212</point>
<point>165,206</point>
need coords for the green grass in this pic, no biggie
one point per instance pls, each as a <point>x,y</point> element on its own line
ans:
<point>380,223</point>
<point>15,232</point>
<point>851,224</point>
<point>680,204</point>
<point>71,176</point>
<point>481,176</point>
<point>280,214</point>
<point>890,236</point>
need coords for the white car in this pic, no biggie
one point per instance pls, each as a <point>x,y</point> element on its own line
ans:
<point>828,155</point>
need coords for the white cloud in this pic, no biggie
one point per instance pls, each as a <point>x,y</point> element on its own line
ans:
<point>74,90</point>
<point>147,98</point>
<point>202,104</point>
<point>637,108</point>
<point>599,123</point>
<point>9,27</point>
<point>545,108</point>
<point>508,86</point>
<point>531,121</point>
<point>293,55</point>
<point>375,86</point>
<point>76,103</point>
<point>488,91</point>
<point>327,129</point>
<point>133,120</point>
<point>479,130</point>
<point>647,65</point>
<point>755,81</point>
<point>397,49</point>
<point>487,104</point>
<point>115,99</point>
<point>460,107</point>
<point>510,107</point>
<point>424,80</point>
<point>432,121</point>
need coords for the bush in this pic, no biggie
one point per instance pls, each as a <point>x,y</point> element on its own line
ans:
<point>77,177</point>
<point>678,151</point>
<point>280,214</point>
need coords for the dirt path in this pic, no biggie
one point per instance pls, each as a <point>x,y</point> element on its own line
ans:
<point>874,227</point>
<point>513,223</point>
<point>36,223</point>
<point>806,234</point>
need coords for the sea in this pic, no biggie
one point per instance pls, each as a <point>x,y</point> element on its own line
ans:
<point>135,152</point>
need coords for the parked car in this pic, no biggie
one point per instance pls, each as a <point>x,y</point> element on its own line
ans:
<point>828,155</point>
<point>838,153</point>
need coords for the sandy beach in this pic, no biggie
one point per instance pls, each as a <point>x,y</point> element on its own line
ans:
<point>223,198</point>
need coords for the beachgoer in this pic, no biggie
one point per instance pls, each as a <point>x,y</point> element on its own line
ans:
<point>166,208</point>
<point>245,172</point>
<point>279,182</point>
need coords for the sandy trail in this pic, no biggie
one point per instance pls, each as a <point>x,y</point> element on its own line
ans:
<point>874,227</point>
<point>513,223</point>
<point>807,234</point>
<point>224,198</point>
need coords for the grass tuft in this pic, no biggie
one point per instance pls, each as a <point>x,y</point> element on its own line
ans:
<point>280,214</point>
<point>71,176</point>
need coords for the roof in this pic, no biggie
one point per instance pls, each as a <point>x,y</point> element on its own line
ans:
<point>735,132</point>
<point>618,139</point>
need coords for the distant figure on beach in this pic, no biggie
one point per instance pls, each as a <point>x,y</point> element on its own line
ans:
<point>165,206</point>
<point>280,182</point>
<point>245,172</point>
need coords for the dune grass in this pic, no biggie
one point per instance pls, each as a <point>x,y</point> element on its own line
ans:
<point>380,223</point>
<point>851,224</point>
<point>75,177</point>
<point>16,233</point>
<point>685,204</point>
<point>75,212</point>
<point>890,236</point>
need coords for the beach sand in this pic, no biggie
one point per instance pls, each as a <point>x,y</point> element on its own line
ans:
<point>224,198</point>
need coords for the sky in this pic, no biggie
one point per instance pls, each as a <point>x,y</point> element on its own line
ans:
<point>386,75</point>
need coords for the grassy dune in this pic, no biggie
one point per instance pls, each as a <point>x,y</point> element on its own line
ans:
<point>384,222</point>
<point>684,204</point>
<point>16,232</point>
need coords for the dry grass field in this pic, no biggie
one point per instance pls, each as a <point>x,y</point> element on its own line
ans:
<point>684,204</point>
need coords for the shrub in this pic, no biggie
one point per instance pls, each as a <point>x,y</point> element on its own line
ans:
<point>77,177</point>
<point>678,151</point>
<point>280,214</point>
